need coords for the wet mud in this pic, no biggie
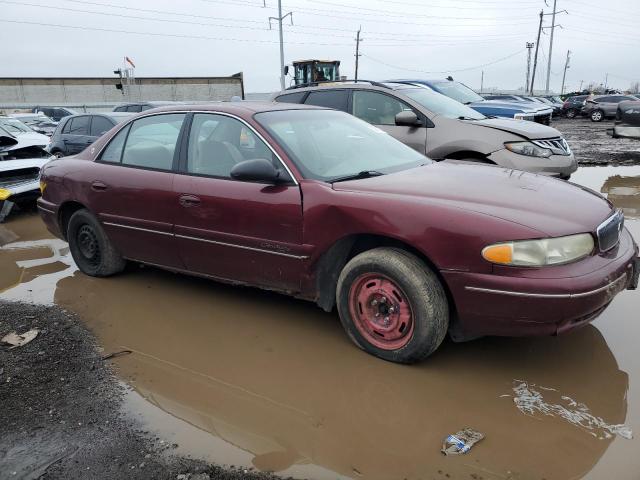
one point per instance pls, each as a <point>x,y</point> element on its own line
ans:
<point>592,143</point>
<point>239,376</point>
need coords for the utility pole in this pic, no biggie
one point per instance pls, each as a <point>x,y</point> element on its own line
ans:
<point>358,40</point>
<point>482,81</point>
<point>553,27</point>
<point>280,18</point>
<point>535,58</point>
<point>581,82</point>
<point>564,75</point>
<point>606,81</point>
<point>529,47</point>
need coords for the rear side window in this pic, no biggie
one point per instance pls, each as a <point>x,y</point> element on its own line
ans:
<point>120,109</point>
<point>134,108</point>
<point>100,126</point>
<point>113,152</point>
<point>603,99</point>
<point>79,125</point>
<point>329,98</point>
<point>291,97</point>
<point>152,141</point>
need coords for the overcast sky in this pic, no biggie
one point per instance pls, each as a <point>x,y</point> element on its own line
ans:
<point>402,38</point>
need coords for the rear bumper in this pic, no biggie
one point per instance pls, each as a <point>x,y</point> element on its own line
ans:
<point>626,131</point>
<point>556,165</point>
<point>490,304</point>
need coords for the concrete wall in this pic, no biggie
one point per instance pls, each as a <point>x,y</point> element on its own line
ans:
<point>16,92</point>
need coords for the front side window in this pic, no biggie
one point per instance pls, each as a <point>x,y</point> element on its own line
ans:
<point>152,141</point>
<point>377,108</point>
<point>79,125</point>
<point>217,143</point>
<point>326,144</point>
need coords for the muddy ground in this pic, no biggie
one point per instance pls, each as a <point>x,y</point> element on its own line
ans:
<point>593,145</point>
<point>219,375</point>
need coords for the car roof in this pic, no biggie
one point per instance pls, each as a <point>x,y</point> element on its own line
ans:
<point>360,85</point>
<point>235,107</point>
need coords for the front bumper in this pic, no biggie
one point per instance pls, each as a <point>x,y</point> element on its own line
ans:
<point>23,192</point>
<point>626,131</point>
<point>561,166</point>
<point>49,214</point>
<point>567,297</point>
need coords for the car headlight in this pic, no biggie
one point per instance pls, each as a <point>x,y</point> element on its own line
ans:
<point>538,253</point>
<point>528,149</point>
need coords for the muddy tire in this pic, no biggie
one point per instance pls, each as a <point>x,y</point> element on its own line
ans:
<point>57,154</point>
<point>91,248</point>
<point>597,115</point>
<point>392,305</point>
<point>572,113</point>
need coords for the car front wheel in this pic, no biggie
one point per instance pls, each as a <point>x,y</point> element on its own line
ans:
<point>90,247</point>
<point>597,116</point>
<point>572,113</point>
<point>392,305</point>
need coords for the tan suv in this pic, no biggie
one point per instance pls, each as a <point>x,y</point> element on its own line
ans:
<point>442,128</point>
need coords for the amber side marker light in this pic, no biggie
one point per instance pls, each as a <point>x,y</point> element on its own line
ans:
<point>43,185</point>
<point>4,193</point>
<point>500,253</point>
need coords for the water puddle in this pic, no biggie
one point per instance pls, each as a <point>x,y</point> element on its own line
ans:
<point>248,378</point>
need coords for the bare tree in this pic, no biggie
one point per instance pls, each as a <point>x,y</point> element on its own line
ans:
<point>635,87</point>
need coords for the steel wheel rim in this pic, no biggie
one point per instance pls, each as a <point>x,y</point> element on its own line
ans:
<point>381,311</point>
<point>88,245</point>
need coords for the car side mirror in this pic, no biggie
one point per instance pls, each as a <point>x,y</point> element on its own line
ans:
<point>256,170</point>
<point>407,118</point>
<point>286,69</point>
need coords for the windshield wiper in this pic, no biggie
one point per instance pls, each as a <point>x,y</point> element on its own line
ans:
<point>356,176</point>
<point>462,117</point>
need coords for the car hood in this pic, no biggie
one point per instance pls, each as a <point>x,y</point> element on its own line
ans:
<point>550,206</point>
<point>521,106</point>
<point>524,128</point>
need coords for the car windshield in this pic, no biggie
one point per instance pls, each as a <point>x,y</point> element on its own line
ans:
<point>457,91</point>
<point>13,125</point>
<point>327,145</point>
<point>441,105</point>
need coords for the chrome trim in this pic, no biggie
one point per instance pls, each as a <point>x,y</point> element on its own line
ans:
<point>212,112</point>
<point>137,228</point>
<point>253,249</point>
<point>46,210</point>
<point>557,145</point>
<point>548,295</point>
<point>617,215</point>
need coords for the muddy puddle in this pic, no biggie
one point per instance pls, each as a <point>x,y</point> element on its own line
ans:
<point>242,377</point>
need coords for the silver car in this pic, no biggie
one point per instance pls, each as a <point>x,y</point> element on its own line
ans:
<point>599,107</point>
<point>441,128</point>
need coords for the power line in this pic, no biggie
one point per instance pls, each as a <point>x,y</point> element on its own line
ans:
<point>445,71</point>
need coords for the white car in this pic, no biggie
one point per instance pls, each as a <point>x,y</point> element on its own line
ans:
<point>24,132</point>
<point>21,159</point>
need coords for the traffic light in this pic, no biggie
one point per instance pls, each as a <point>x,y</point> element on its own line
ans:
<point>119,84</point>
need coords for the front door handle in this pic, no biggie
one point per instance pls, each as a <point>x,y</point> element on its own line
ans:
<point>98,186</point>
<point>189,200</point>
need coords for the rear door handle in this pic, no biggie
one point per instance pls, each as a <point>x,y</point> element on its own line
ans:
<point>189,200</point>
<point>98,186</point>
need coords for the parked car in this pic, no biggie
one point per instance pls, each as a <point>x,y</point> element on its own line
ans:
<point>556,106</point>
<point>20,162</point>
<point>54,113</point>
<point>572,106</point>
<point>320,205</point>
<point>38,122</point>
<point>17,128</point>
<point>599,107</point>
<point>77,132</point>
<point>490,108</point>
<point>442,128</point>
<point>627,120</point>
<point>136,107</point>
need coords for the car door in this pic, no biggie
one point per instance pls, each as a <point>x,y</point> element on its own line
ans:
<point>242,231</point>
<point>380,109</point>
<point>131,191</point>
<point>77,137</point>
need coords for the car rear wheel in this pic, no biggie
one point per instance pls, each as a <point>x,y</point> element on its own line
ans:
<point>597,115</point>
<point>57,154</point>
<point>392,305</point>
<point>91,248</point>
<point>572,113</point>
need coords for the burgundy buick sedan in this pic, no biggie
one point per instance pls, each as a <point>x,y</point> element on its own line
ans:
<point>320,205</point>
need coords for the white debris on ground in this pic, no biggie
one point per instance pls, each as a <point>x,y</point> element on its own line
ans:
<point>530,401</point>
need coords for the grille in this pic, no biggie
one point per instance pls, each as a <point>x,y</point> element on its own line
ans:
<point>543,119</point>
<point>608,232</point>
<point>558,145</point>
<point>18,176</point>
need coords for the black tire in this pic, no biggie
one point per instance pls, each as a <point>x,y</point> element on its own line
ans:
<point>423,290</point>
<point>572,113</point>
<point>57,154</point>
<point>91,248</point>
<point>596,115</point>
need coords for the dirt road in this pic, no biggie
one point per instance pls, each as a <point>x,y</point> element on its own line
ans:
<point>242,377</point>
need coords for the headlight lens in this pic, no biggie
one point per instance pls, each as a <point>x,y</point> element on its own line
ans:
<point>528,149</point>
<point>538,253</point>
